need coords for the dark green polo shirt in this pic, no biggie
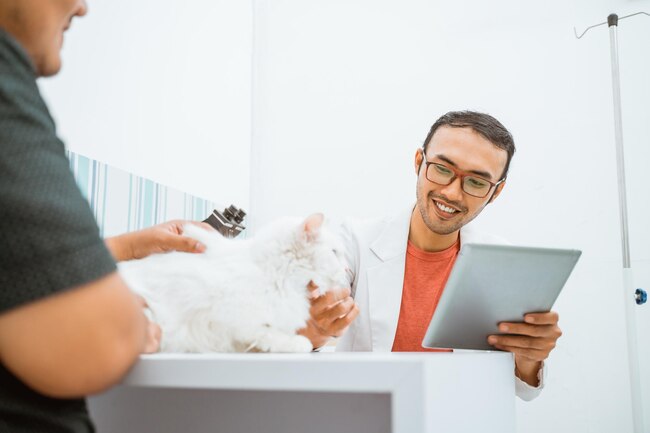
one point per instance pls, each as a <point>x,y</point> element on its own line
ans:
<point>49,241</point>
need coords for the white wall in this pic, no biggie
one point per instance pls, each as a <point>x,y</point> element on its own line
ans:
<point>163,90</point>
<point>346,91</point>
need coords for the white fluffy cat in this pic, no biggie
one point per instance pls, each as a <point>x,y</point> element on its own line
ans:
<point>240,295</point>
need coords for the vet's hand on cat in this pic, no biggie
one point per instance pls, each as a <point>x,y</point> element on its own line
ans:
<point>330,315</point>
<point>161,238</point>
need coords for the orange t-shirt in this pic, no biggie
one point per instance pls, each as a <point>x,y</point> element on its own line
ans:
<point>425,276</point>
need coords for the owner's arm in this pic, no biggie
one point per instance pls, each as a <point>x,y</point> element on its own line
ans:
<point>74,343</point>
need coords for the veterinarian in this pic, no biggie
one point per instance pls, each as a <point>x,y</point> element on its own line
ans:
<point>401,264</point>
<point>69,326</point>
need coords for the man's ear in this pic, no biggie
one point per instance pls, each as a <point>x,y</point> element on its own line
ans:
<point>497,191</point>
<point>418,160</point>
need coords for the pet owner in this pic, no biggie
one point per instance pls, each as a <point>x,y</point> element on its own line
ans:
<point>401,264</point>
<point>69,326</point>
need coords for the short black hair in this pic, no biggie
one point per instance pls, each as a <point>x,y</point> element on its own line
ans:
<point>484,124</point>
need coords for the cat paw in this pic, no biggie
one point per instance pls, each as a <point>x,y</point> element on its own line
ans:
<point>280,343</point>
<point>297,344</point>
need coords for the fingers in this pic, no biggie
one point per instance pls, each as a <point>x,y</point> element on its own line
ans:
<point>549,331</point>
<point>171,242</point>
<point>531,348</point>
<point>338,310</point>
<point>176,226</point>
<point>154,334</point>
<point>320,330</point>
<point>340,325</point>
<point>335,295</point>
<point>178,242</point>
<point>522,342</point>
<point>332,312</point>
<point>548,318</point>
<point>161,238</point>
<point>328,300</point>
<point>533,340</point>
<point>327,327</point>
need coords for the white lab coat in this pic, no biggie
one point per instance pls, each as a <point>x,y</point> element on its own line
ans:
<point>376,254</point>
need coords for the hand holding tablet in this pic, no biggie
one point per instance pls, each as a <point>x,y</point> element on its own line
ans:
<point>493,284</point>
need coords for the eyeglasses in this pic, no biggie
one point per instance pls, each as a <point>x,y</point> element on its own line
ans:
<point>470,183</point>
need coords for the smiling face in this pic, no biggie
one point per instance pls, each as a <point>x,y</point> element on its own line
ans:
<point>444,209</point>
<point>38,25</point>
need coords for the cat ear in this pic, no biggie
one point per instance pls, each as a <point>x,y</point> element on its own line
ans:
<point>311,226</point>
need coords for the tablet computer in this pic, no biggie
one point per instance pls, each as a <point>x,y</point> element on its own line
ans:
<point>490,284</point>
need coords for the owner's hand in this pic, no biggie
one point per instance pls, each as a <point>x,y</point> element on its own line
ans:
<point>330,315</point>
<point>531,342</point>
<point>160,238</point>
<point>154,332</point>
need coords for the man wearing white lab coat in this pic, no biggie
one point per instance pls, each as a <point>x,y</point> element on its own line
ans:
<point>461,168</point>
<point>377,255</point>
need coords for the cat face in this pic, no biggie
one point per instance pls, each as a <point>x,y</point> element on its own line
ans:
<point>328,265</point>
<point>300,252</point>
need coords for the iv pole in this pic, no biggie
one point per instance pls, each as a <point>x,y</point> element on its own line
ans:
<point>640,295</point>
